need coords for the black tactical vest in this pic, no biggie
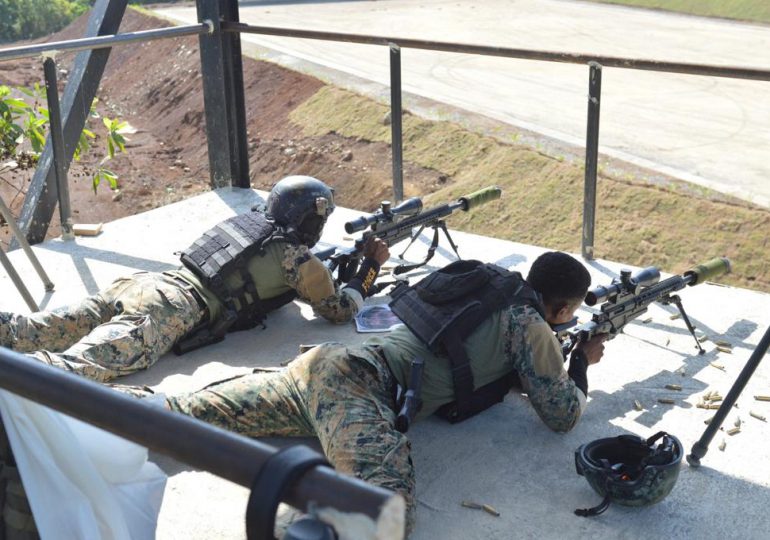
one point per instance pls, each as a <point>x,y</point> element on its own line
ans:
<point>224,251</point>
<point>446,307</point>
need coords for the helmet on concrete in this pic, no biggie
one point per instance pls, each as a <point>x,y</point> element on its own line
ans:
<point>300,205</point>
<point>629,470</point>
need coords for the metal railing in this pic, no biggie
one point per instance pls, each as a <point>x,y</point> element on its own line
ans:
<point>226,132</point>
<point>233,457</point>
<point>594,62</point>
<point>230,456</point>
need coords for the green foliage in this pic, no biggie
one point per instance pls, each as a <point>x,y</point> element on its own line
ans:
<point>26,121</point>
<point>27,19</point>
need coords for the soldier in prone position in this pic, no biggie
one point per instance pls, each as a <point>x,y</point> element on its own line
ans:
<point>231,277</point>
<point>348,397</point>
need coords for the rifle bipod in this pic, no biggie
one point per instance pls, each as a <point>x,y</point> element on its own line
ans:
<point>674,298</point>
<point>441,224</point>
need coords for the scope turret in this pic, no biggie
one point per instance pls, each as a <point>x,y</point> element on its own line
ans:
<point>628,283</point>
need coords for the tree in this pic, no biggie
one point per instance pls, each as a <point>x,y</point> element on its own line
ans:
<point>28,19</point>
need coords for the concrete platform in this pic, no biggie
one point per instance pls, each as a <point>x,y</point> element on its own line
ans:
<point>504,457</point>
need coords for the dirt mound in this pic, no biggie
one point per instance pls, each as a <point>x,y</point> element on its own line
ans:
<point>156,87</point>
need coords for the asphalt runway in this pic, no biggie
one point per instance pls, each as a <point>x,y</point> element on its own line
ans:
<point>710,131</point>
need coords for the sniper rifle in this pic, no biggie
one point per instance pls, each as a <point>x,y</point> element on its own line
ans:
<point>394,224</point>
<point>629,295</point>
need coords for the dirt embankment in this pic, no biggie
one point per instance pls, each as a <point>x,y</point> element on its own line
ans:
<point>156,87</point>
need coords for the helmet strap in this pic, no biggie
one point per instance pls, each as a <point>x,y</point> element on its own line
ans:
<point>596,510</point>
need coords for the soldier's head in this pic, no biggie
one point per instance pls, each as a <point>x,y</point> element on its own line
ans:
<point>562,281</point>
<point>300,205</point>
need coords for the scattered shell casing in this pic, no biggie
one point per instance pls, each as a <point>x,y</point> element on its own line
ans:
<point>718,366</point>
<point>675,316</point>
<point>723,343</point>
<point>702,338</point>
<point>722,445</point>
<point>724,349</point>
<point>638,406</point>
<point>733,431</point>
<point>762,398</point>
<point>758,416</point>
<point>647,320</point>
<point>674,386</point>
<point>737,422</point>
<point>707,395</point>
<point>668,340</point>
<point>707,421</point>
<point>490,510</point>
<point>471,504</point>
<point>667,401</point>
<point>714,398</point>
<point>702,405</point>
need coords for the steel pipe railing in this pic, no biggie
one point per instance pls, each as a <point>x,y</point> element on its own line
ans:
<point>508,52</point>
<point>103,42</point>
<point>201,445</point>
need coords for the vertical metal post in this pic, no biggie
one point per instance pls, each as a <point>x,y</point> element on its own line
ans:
<point>57,142</point>
<point>395,122</point>
<point>592,159</point>
<point>222,71</point>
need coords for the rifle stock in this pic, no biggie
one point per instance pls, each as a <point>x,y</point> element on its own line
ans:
<point>629,296</point>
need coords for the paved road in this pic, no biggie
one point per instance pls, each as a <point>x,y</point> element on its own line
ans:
<point>710,131</point>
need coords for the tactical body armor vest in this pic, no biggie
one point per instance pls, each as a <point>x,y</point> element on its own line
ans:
<point>446,307</point>
<point>224,251</point>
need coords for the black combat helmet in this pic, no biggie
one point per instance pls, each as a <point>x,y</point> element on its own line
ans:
<point>629,470</point>
<point>300,205</point>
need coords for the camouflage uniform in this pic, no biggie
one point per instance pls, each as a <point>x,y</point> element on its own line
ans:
<point>133,322</point>
<point>346,396</point>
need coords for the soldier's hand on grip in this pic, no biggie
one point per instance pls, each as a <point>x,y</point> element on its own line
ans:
<point>376,250</point>
<point>593,348</point>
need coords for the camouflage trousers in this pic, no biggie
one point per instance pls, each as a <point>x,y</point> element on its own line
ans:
<point>122,329</point>
<point>342,396</point>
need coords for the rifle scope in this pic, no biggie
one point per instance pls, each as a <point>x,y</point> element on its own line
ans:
<point>408,207</point>
<point>632,283</point>
<point>628,283</point>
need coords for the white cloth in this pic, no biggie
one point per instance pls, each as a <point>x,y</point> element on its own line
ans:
<point>81,482</point>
